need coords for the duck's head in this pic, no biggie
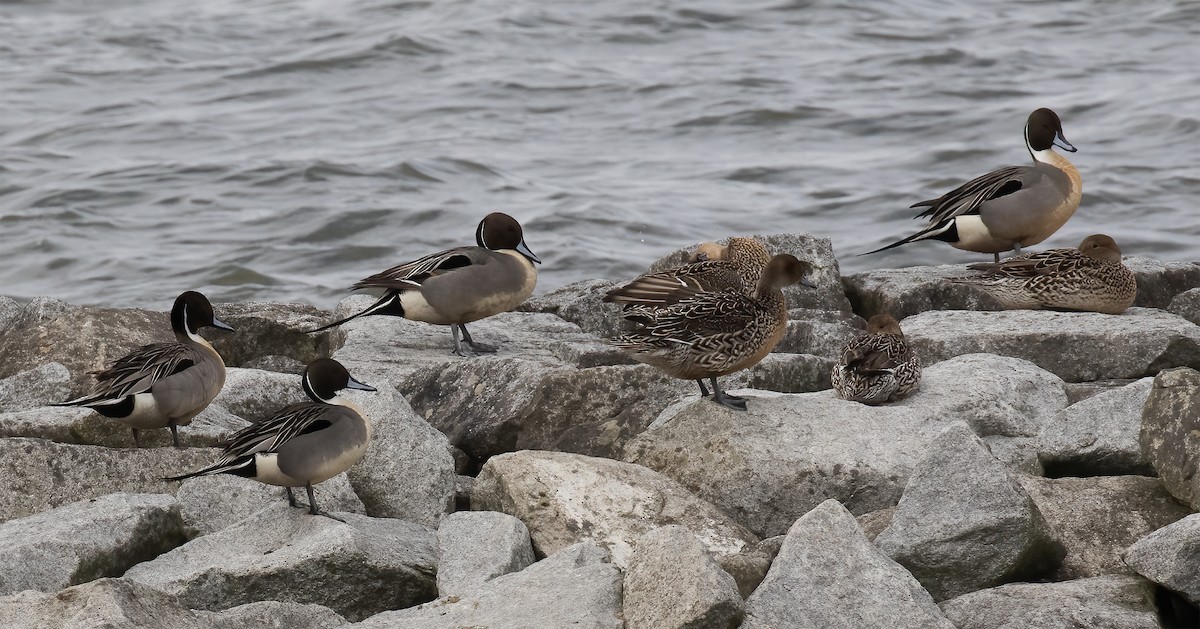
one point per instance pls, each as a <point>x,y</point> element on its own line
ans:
<point>884,324</point>
<point>324,377</point>
<point>1100,247</point>
<point>501,231</point>
<point>1044,130</point>
<point>784,270</point>
<point>192,312</point>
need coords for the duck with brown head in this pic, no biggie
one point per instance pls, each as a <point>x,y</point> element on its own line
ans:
<point>1011,207</point>
<point>163,385</point>
<point>1090,278</point>
<point>878,366</point>
<point>698,334</point>
<point>461,285</point>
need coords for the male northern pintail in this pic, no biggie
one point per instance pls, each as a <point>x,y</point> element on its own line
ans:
<point>878,366</point>
<point>693,334</point>
<point>1011,207</point>
<point>1090,278</point>
<point>713,267</point>
<point>458,286</point>
<point>302,444</point>
<point>163,385</point>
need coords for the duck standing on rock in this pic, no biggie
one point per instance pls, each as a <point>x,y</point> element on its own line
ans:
<point>163,385</point>
<point>694,333</point>
<point>1010,207</point>
<point>302,444</point>
<point>1090,278</point>
<point>878,366</point>
<point>458,286</point>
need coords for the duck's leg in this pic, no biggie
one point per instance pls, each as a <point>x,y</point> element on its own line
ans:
<point>1017,248</point>
<point>478,347</point>
<point>996,257</point>
<point>703,389</point>
<point>137,443</point>
<point>312,505</point>
<point>291,497</point>
<point>457,347</point>
<point>174,434</point>
<point>724,399</point>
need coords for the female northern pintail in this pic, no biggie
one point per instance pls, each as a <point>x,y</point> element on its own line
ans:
<point>1011,207</point>
<point>1090,278</point>
<point>458,286</point>
<point>878,366</point>
<point>163,385</point>
<point>693,334</point>
<point>301,444</point>
<point>736,266</point>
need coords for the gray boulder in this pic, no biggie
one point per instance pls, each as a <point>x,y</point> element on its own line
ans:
<point>408,469</point>
<point>1170,557</point>
<point>477,546</point>
<point>43,385</point>
<point>86,540</point>
<point>671,582</point>
<point>356,568</point>
<point>1107,602</point>
<point>568,498</point>
<point>768,466</point>
<point>828,575</point>
<point>125,604</point>
<point>576,587</point>
<point>782,373</point>
<point>964,524</point>
<point>1159,281</point>
<point>1076,346</point>
<point>255,395</point>
<point>10,309</point>
<point>581,303</point>
<point>1097,518</point>
<point>1187,305</point>
<point>266,329</point>
<point>84,426</point>
<point>41,475</point>
<point>210,503</point>
<point>820,332</point>
<point>1170,423</point>
<point>1098,436</point>
<point>908,291</point>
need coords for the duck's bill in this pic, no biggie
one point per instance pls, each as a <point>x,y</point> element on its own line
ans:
<point>1062,143</point>
<point>525,251</point>
<point>361,386</point>
<point>808,282</point>
<point>221,325</point>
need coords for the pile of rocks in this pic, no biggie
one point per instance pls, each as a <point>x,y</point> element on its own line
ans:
<point>1047,473</point>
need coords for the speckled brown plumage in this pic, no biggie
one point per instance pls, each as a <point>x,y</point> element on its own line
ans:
<point>736,267</point>
<point>1090,278</point>
<point>878,366</point>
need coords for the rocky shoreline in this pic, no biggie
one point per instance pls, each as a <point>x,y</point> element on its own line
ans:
<point>1047,474</point>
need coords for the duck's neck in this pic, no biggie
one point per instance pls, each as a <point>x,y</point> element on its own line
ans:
<point>1052,158</point>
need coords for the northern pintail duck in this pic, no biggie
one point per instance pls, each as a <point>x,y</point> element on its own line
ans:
<point>1011,207</point>
<point>713,267</point>
<point>878,366</point>
<point>302,444</point>
<point>163,385</point>
<point>694,334</point>
<point>458,286</point>
<point>1090,278</point>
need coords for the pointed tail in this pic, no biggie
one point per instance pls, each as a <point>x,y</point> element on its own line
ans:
<point>389,304</point>
<point>216,468</point>
<point>946,231</point>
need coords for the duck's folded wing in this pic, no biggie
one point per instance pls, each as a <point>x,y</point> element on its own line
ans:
<point>268,435</point>
<point>670,287</point>
<point>1050,262</point>
<point>137,371</point>
<point>702,315</point>
<point>967,198</point>
<point>409,275</point>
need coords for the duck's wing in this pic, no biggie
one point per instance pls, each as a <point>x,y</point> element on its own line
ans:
<point>410,275</point>
<point>1042,263</point>
<point>875,353</point>
<point>669,287</point>
<point>967,198</point>
<point>137,371</point>
<point>697,316</point>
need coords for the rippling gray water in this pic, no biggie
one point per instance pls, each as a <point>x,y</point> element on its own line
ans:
<point>281,149</point>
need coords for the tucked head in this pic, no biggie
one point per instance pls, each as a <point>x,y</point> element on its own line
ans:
<point>324,377</point>
<point>785,270</point>
<point>883,324</point>
<point>1100,247</point>
<point>1044,130</point>
<point>192,312</point>
<point>501,231</point>
<point>706,251</point>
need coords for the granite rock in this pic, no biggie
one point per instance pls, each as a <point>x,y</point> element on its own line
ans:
<point>208,504</point>
<point>1168,438</point>
<point>1170,557</point>
<point>475,547</point>
<point>671,582</point>
<point>1097,436</point>
<point>1106,602</point>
